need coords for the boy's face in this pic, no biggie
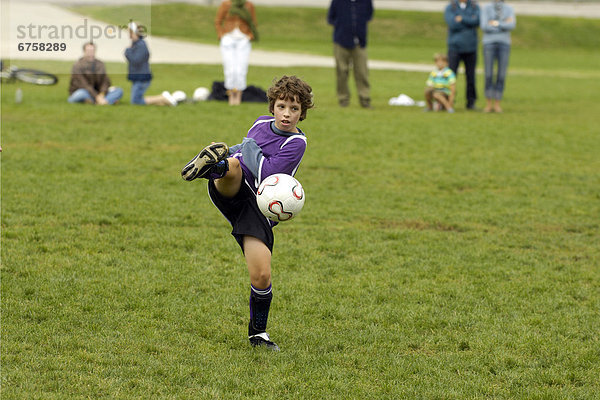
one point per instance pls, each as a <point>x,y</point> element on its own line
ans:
<point>287,114</point>
<point>440,63</point>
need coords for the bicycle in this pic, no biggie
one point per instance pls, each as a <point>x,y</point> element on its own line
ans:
<point>34,76</point>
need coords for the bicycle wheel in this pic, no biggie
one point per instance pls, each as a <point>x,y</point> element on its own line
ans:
<point>36,77</point>
<point>5,77</point>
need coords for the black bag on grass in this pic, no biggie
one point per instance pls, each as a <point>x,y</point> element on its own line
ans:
<point>252,94</point>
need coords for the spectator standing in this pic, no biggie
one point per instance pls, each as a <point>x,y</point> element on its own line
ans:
<point>235,23</point>
<point>497,21</point>
<point>89,82</point>
<point>462,18</point>
<point>139,73</point>
<point>349,19</point>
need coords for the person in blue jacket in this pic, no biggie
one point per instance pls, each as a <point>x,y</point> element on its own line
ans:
<point>462,18</point>
<point>349,19</point>
<point>139,73</point>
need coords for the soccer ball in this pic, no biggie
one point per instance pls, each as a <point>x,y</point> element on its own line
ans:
<point>280,197</point>
<point>201,94</point>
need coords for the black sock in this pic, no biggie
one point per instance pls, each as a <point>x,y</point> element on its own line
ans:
<point>260,302</point>
<point>218,170</point>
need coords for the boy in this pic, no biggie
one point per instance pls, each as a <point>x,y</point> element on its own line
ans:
<point>441,85</point>
<point>272,145</point>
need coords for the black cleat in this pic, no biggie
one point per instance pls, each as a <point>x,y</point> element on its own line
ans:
<point>201,165</point>
<point>263,339</point>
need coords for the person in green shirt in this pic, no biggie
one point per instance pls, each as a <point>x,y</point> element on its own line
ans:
<point>441,85</point>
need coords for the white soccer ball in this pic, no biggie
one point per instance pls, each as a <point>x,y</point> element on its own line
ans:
<point>280,197</point>
<point>201,94</point>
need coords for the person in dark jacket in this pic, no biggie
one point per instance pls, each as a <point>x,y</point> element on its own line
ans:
<point>89,82</point>
<point>349,19</point>
<point>462,18</point>
<point>139,73</point>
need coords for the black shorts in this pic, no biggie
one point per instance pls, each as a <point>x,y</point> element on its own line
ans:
<point>243,214</point>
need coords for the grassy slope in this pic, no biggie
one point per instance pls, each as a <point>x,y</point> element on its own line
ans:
<point>459,261</point>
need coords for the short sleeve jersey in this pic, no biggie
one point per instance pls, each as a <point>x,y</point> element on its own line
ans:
<point>281,151</point>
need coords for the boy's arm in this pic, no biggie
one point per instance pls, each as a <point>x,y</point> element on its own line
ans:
<point>252,154</point>
<point>285,161</point>
<point>235,148</point>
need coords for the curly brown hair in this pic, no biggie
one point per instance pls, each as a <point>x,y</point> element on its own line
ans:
<point>291,88</point>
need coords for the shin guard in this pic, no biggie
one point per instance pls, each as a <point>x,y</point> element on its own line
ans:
<point>260,302</point>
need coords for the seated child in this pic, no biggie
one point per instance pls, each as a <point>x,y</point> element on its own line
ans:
<point>441,85</point>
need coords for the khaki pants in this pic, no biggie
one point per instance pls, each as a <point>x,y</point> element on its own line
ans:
<point>357,57</point>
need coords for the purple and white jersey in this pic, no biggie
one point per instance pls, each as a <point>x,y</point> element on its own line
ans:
<point>266,150</point>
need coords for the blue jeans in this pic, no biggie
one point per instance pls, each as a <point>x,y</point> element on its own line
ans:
<point>495,52</point>
<point>81,95</point>
<point>138,88</point>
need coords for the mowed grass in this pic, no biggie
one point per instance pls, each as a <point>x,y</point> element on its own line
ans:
<point>437,257</point>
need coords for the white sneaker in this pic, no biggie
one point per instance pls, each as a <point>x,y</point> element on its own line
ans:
<point>179,96</point>
<point>169,97</point>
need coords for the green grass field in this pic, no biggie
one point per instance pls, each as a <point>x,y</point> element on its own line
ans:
<point>437,257</point>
